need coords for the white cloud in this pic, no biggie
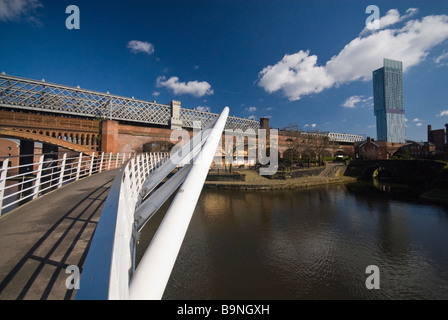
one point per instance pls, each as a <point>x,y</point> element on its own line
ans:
<point>194,88</point>
<point>357,101</point>
<point>298,74</point>
<point>443,113</point>
<point>252,117</point>
<point>251,109</point>
<point>204,108</point>
<point>156,93</point>
<point>352,101</point>
<point>11,10</point>
<point>418,122</point>
<point>140,46</point>
<point>442,60</point>
<point>313,125</point>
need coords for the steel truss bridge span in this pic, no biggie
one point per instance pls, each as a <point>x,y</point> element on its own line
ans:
<point>42,96</point>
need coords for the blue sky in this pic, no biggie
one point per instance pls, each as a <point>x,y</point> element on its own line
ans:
<point>305,63</point>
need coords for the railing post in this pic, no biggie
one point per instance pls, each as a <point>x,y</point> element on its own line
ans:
<point>62,172</point>
<point>148,168</point>
<point>78,170</point>
<point>3,177</point>
<point>117,155</point>
<point>91,164</point>
<point>150,163</point>
<point>110,160</point>
<point>39,174</point>
<point>101,162</point>
<point>133,179</point>
<point>140,170</point>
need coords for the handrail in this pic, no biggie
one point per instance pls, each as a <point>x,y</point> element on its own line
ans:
<point>24,182</point>
<point>110,271</point>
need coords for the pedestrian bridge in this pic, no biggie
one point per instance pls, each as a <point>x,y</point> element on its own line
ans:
<point>82,236</point>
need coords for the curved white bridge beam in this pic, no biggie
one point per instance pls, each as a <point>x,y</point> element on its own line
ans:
<point>152,274</point>
<point>109,269</point>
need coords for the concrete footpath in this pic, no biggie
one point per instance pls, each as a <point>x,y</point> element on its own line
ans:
<point>39,240</point>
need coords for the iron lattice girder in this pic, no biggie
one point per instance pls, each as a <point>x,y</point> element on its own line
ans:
<point>41,96</point>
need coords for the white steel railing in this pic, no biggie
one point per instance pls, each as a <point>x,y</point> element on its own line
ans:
<point>21,183</point>
<point>137,193</point>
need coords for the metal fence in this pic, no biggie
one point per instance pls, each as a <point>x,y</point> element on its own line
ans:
<point>24,182</point>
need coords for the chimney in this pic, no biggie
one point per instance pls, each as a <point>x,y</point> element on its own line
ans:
<point>264,123</point>
<point>368,139</point>
<point>429,133</point>
<point>446,134</point>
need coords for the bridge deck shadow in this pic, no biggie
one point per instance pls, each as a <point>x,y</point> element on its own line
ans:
<point>41,239</point>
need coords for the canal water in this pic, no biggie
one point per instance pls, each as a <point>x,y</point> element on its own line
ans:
<point>311,244</point>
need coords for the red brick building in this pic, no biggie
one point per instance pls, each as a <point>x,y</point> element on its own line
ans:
<point>371,150</point>
<point>422,150</point>
<point>9,148</point>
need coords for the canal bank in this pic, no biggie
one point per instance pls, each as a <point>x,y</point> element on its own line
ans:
<point>252,180</point>
<point>431,184</point>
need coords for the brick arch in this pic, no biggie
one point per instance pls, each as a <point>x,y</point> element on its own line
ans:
<point>43,138</point>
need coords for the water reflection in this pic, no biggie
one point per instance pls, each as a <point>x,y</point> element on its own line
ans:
<point>312,244</point>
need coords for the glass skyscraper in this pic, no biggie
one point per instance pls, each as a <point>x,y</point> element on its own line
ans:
<point>389,103</point>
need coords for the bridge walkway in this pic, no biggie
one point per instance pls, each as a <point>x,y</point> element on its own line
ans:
<point>40,239</point>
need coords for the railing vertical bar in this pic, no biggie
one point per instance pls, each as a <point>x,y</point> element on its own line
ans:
<point>62,170</point>
<point>110,160</point>
<point>3,176</point>
<point>101,162</point>
<point>78,169</point>
<point>91,163</point>
<point>39,174</point>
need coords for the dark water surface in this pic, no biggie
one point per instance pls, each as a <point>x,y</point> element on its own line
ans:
<point>311,244</point>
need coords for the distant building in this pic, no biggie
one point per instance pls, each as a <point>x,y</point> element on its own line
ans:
<point>371,150</point>
<point>9,148</point>
<point>439,138</point>
<point>389,102</point>
<point>422,150</point>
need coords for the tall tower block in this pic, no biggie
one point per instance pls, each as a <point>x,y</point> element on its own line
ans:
<point>389,102</point>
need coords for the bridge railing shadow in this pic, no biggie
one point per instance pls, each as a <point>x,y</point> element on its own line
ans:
<point>41,273</point>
